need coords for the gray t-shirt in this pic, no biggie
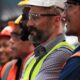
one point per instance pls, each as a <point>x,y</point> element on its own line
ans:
<point>52,66</point>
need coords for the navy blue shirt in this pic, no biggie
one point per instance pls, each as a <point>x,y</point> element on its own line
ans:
<point>71,70</point>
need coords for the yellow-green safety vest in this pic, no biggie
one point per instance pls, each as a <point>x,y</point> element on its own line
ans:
<point>27,74</point>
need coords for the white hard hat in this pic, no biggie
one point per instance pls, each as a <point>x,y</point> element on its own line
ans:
<point>43,3</point>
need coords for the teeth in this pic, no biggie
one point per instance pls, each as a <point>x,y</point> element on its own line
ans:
<point>66,24</point>
<point>65,28</point>
<point>63,19</point>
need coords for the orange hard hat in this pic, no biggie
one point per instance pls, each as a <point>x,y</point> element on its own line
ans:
<point>6,32</point>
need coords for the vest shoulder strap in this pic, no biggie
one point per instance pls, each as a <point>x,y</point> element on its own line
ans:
<point>39,64</point>
<point>32,72</point>
<point>6,69</point>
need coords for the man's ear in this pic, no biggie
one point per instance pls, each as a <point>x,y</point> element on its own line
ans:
<point>58,18</point>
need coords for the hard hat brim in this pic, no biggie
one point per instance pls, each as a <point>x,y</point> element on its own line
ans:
<point>17,21</point>
<point>4,36</point>
<point>22,3</point>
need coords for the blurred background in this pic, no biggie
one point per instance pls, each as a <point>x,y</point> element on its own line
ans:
<point>9,10</point>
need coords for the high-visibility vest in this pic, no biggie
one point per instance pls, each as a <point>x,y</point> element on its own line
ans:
<point>9,70</point>
<point>33,65</point>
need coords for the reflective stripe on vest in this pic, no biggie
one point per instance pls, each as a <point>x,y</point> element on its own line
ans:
<point>4,77</point>
<point>32,61</point>
<point>6,70</point>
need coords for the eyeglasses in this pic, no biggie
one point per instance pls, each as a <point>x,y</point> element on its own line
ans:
<point>70,4</point>
<point>35,16</point>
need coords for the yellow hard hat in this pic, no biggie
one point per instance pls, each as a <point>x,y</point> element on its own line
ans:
<point>17,21</point>
<point>23,2</point>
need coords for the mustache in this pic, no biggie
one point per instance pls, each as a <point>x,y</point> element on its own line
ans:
<point>37,32</point>
<point>31,28</point>
<point>35,35</point>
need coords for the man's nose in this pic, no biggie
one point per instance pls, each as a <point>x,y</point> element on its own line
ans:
<point>30,22</point>
<point>11,41</point>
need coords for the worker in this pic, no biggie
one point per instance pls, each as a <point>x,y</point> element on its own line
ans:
<point>23,49</point>
<point>5,50</point>
<point>46,32</point>
<point>71,70</point>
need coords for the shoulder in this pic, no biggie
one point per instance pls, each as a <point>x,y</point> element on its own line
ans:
<point>58,57</point>
<point>61,53</point>
<point>74,59</point>
<point>70,71</point>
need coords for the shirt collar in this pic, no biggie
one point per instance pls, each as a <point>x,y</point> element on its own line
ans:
<point>43,49</point>
<point>52,43</point>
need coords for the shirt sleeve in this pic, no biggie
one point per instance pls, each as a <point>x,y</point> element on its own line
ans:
<point>52,66</point>
<point>71,70</point>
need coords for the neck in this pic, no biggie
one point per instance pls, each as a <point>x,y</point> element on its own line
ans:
<point>52,37</point>
<point>57,32</point>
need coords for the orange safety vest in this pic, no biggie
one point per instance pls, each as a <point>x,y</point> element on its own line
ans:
<point>0,71</point>
<point>9,70</point>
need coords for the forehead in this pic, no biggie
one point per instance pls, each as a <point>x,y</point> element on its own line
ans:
<point>39,9</point>
<point>4,40</point>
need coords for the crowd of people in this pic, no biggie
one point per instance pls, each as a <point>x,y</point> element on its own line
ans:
<point>33,47</point>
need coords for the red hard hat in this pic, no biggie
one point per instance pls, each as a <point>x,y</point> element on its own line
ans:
<point>6,32</point>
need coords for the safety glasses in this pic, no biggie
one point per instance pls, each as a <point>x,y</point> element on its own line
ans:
<point>70,4</point>
<point>35,16</point>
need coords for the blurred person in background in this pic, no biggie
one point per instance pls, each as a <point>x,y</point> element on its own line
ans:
<point>24,49</point>
<point>6,53</point>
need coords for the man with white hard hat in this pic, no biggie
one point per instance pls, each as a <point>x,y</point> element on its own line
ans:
<point>46,32</point>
